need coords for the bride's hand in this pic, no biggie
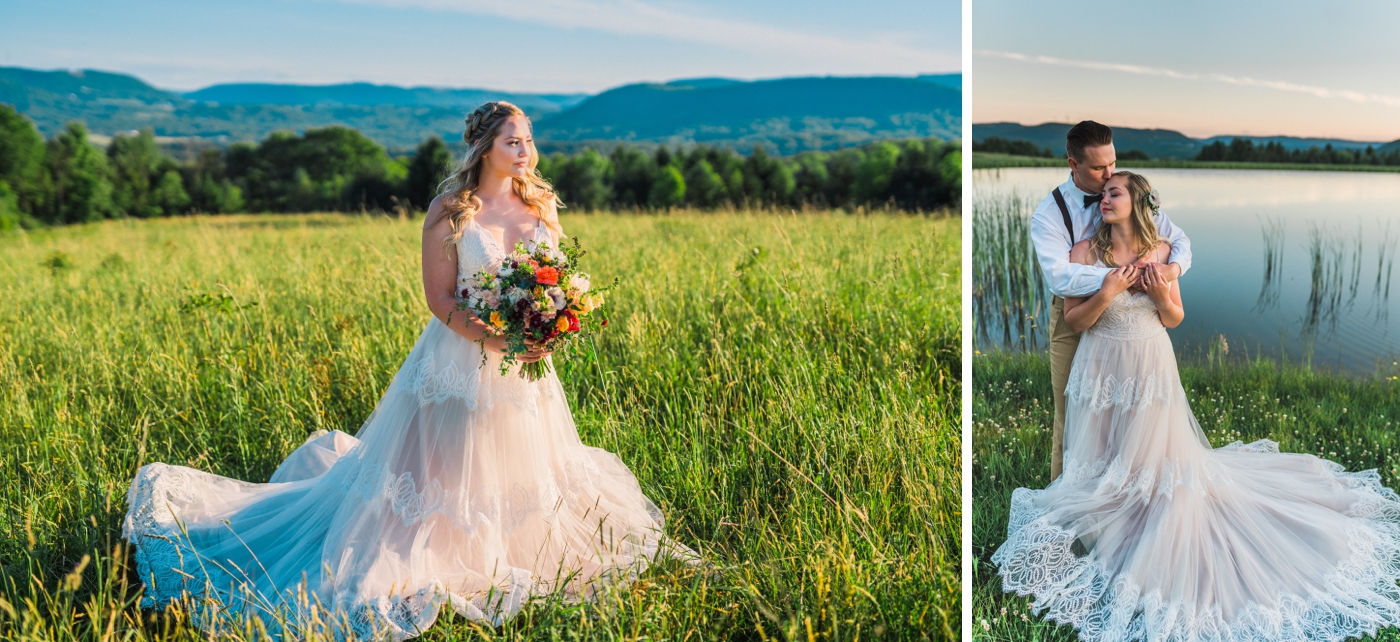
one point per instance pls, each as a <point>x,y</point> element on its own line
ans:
<point>534,351</point>
<point>1155,283</point>
<point>1120,279</point>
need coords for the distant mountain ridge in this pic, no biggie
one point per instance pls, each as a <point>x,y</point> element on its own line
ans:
<point>788,115</point>
<point>1157,143</point>
<point>792,114</point>
<point>368,94</point>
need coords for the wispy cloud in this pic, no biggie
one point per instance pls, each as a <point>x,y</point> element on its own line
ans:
<point>1320,92</point>
<point>634,17</point>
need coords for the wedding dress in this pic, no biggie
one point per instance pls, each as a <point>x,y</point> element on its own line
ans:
<point>1150,534</point>
<point>464,488</point>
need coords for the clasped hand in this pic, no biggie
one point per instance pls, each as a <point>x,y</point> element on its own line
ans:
<point>534,350</point>
<point>1141,276</point>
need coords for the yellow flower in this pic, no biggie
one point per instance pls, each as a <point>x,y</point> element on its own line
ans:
<point>497,321</point>
<point>562,324</point>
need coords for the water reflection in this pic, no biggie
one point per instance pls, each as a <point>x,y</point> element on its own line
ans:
<point>1291,264</point>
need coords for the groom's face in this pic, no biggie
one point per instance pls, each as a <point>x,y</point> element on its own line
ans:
<point>1095,169</point>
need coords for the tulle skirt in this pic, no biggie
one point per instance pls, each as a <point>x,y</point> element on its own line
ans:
<point>1150,534</point>
<point>464,488</point>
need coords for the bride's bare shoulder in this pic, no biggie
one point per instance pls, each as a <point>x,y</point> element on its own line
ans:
<point>438,213</point>
<point>1081,253</point>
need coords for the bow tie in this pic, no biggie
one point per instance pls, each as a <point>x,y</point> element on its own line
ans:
<point>1090,199</point>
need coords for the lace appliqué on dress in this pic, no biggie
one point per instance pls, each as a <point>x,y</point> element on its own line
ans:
<point>1103,392</point>
<point>1130,316</point>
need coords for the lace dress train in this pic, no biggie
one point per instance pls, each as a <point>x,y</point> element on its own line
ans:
<point>1150,534</point>
<point>465,488</point>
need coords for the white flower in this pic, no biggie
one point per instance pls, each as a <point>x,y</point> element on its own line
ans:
<point>515,294</point>
<point>557,296</point>
<point>505,270</point>
<point>579,282</point>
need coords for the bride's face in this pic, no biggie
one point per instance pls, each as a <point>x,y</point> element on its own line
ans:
<point>1117,203</point>
<point>510,152</point>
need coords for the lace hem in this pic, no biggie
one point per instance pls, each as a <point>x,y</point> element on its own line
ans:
<point>1104,392</point>
<point>1360,596</point>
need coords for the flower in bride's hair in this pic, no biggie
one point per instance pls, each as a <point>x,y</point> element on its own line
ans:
<point>1154,200</point>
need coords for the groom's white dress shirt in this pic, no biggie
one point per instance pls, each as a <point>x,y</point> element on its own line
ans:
<point>1052,242</point>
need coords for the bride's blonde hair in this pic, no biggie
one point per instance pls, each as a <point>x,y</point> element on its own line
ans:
<point>1145,234</point>
<point>460,187</point>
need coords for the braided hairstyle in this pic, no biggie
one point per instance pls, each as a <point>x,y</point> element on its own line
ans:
<point>459,188</point>
<point>1145,234</point>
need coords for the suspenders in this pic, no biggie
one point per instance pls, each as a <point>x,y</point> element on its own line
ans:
<point>1064,211</point>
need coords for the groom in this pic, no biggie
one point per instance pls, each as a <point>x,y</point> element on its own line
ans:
<point>1068,215</point>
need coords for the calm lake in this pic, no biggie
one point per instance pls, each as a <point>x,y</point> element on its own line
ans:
<point>1290,263</point>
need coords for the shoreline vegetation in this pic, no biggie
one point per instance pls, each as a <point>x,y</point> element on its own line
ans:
<point>1354,421</point>
<point>988,160</point>
<point>785,387</point>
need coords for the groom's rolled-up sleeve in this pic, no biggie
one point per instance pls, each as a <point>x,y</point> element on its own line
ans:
<point>1181,246</point>
<point>1052,245</point>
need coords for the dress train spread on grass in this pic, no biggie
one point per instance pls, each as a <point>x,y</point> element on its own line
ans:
<point>1150,534</point>
<point>465,488</point>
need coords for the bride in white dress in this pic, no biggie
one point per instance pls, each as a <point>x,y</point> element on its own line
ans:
<point>463,487</point>
<point>1150,534</point>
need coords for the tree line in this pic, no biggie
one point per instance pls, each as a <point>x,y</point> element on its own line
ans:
<point>67,179</point>
<point>1018,147</point>
<point>1246,151</point>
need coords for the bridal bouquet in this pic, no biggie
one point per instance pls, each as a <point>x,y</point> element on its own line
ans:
<point>536,293</point>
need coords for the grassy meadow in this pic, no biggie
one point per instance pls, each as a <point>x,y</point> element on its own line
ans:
<point>785,387</point>
<point>1353,421</point>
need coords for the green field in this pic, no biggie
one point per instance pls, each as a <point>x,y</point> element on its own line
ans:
<point>1347,420</point>
<point>984,160</point>
<point>786,388</point>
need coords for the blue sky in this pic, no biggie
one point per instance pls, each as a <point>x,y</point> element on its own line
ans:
<point>540,45</point>
<point>1303,68</point>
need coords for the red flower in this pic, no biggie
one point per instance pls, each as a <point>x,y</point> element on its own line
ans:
<point>465,293</point>
<point>547,276</point>
<point>573,321</point>
<point>605,323</point>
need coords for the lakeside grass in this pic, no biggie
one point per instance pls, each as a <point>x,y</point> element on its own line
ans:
<point>1353,421</point>
<point>984,160</point>
<point>785,387</point>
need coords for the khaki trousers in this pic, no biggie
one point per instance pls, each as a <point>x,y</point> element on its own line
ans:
<point>1063,343</point>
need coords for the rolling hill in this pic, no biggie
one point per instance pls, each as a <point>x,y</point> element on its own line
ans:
<point>790,114</point>
<point>1157,143</point>
<point>787,115</point>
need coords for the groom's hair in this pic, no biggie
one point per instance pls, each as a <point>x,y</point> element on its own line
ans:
<point>1086,134</point>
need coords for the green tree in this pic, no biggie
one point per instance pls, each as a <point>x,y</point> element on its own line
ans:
<point>668,190</point>
<point>81,189</point>
<point>703,186</point>
<point>22,161</point>
<point>137,166</point>
<point>9,208</point>
<point>169,195</point>
<point>632,176</point>
<point>583,182</point>
<point>430,165</point>
<point>874,173</point>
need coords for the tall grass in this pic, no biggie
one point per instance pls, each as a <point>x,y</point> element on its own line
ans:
<point>1353,421</point>
<point>1010,301</point>
<point>784,387</point>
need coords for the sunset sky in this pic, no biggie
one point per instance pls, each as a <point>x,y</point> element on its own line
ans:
<point>1200,67</point>
<point>542,45</point>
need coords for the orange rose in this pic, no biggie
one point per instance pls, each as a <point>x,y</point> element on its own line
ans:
<point>547,276</point>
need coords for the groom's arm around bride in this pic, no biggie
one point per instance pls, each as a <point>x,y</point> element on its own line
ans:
<point>1068,215</point>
